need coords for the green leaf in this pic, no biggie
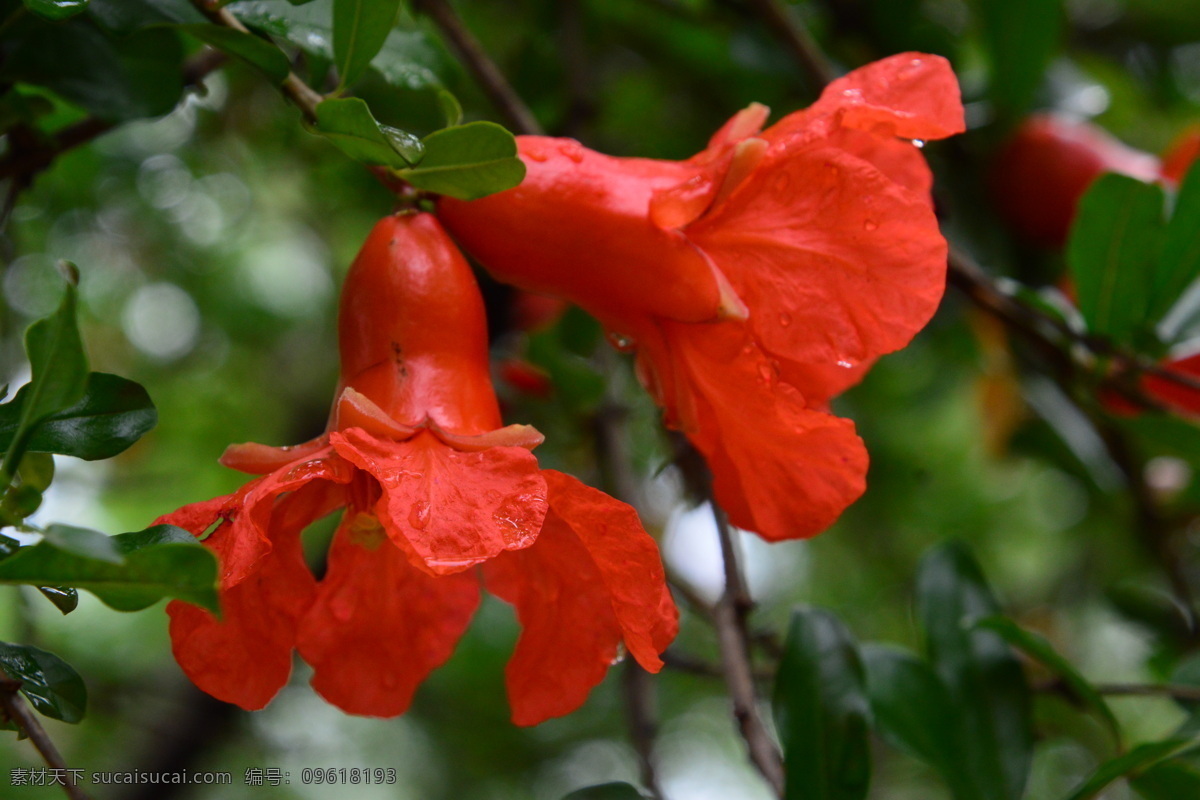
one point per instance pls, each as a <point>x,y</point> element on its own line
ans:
<point>1168,780</point>
<point>49,683</point>
<point>258,53</point>
<point>606,791</point>
<point>821,711</point>
<point>24,496</point>
<point>123,17</point>
<point>451,108</point>
<point>1179,265</point>
<point>81,543</point>
<point>983,677</point>
<point>1036,646</point>
<point>64,598</point>
<point>1133,763</point>
<point>468,162</point>
<point>1113,255</point>
<point>360,27</point>
<point>56,9</point>
<point>1020,37</point>
<point>113,414</point>
<point>56,360</point>
<point>162,561</point>
<point>347,122</point>
<point>914,711</point>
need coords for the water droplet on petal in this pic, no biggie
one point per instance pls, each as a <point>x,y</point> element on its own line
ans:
<point>764,373</point>
<point>620,654</point>
<point>844,364</point>
<point>626,344</point>
<point>871,225</point>
<point>572,150</point>
<point>918,143</point>
<point>785,319</point>
<point>781,183</point>
<point>418,515</point>
<point>536,154</point>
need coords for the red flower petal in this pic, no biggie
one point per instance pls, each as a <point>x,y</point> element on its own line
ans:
<point>379,625</point>
<point>446,508</point>
<point>246,656</point>
<point>911,95</point>
<point>592,579</point>
<point>780,469</point>
<point>1175,394</point>
<point>837,263</point>
<point>899,159</point>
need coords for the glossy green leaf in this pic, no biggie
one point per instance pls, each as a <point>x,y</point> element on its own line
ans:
<point>56,9</point>
<point>980,671</point>
<point>258,53</point>
<point>451,108</point>
<point>113,414</point>
<point>821,711</point>
<point>64,598</point>
<point>24,495</point>
<point>1133,763</point>
<point>606,791</point>
<point>56,360</point>
<point>1179,265</point>
<point>1113,254</point>
<point>123,17</point>
<point>1020,39</point>
<point>468,162</point>
<point>162,561</point>
<point>50,684</point>
<point>360,28</point>
<point>914,711</point>
<point>347,122</point>
<point>1036,646</point>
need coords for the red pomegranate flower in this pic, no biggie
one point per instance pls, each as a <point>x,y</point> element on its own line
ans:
<point>431,485</point>
<point>756,280</point>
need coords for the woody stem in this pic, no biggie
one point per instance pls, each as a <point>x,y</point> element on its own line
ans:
<point>15,709</point>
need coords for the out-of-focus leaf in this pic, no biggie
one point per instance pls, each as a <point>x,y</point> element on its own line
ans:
<point>161,561</point>
<point>821,711</point>
<point>64,598</point>
<point>605,791</point>
<point>451,108</point>
<point>1133,763</point>
<point>51,686</point>
<point>1021,37</point>
<point>468,162</point>
<point>1036,646</point>
<point>1153,609</point>
<point>1168,780</point>
<point>348,124</point>
<point>79,542</point>
<point>25,495</point>
<point>258,53</point>
<point>983,677</point>
<point>56,9</point>
<point>914,711</point>
<point>1113,254</point>
<point>360,28</point>
<point>1179,265</point>
<point>113,414</point>
<point>126,16</point>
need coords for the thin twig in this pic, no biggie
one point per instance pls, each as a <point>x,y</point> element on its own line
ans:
<point>642,714</point>
<point>16,710</point>
<point>491,80</point>
<point>1174,691</point>
<point>730,618</point>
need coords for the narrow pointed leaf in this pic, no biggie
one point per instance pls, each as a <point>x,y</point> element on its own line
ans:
<point>113,414</point>
<point>468,162</point>
<point>1179,266</point>
<point>1036,646</point>
<point>360,27</point>
<point>162,561</point>
<point>56,360</point>
<point>1135,762</point>
<point>821,711</point>
<point>50,684</point>
<point>348,124</point>
<point>1113,255</point>
<point>980,671</point>
<point>1168,780</point>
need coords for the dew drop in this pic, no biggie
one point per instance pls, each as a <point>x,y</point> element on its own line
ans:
<point>871,225</point>
<point>418,515</point>
<point>785,319</point>
<point>620,654</point>
<point>572,150</point>
<point>626,344</point>
<point>844,364</point>
<point>764,373</point>
<point>536,154</point>
<point>918,143</point>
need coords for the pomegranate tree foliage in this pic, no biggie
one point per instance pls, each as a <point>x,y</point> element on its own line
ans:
<point>1023,555</point>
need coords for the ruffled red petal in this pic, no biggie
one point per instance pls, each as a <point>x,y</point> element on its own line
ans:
<point>910,95</point>
<point>379,625</point>
<point>837,263</point>
<point>450,509</point>
<point>592,580</point>
<point>780,469</point>
<point>246,656</point>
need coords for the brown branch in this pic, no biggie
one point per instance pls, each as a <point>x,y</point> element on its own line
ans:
<point>730,618</point>
<point>641,711</point>
<point>1174,691</point>
<point>21,715</point>
<point>491,80</point>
